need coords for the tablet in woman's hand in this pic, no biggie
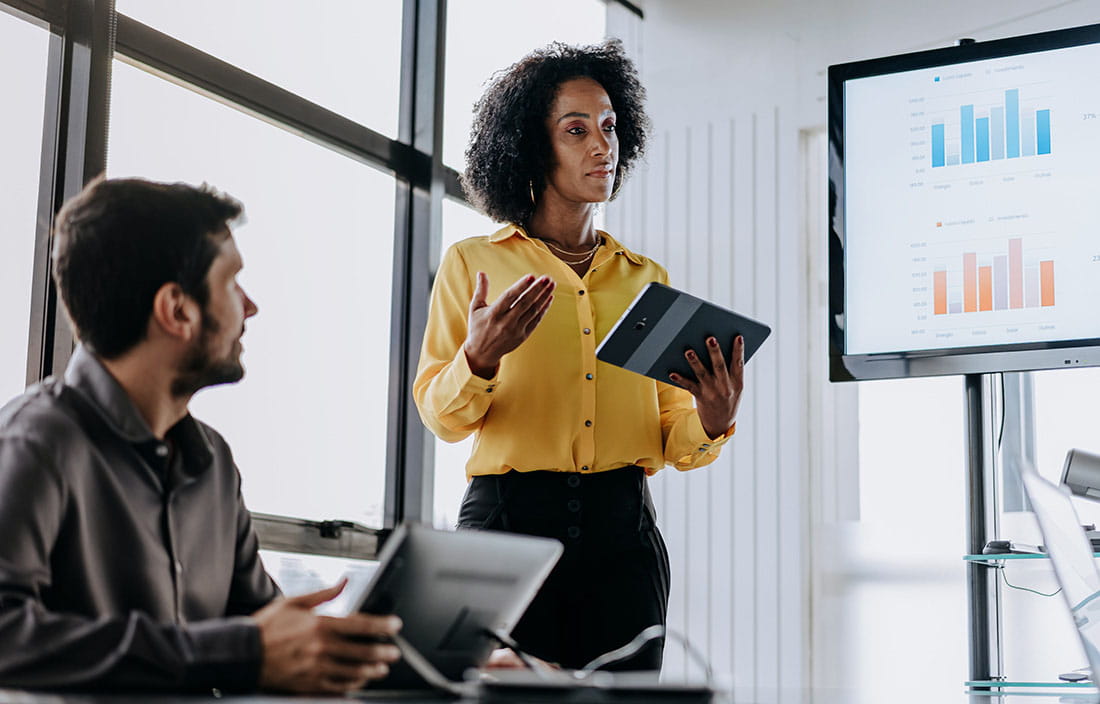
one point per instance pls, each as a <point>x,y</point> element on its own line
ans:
<point>662,323</point>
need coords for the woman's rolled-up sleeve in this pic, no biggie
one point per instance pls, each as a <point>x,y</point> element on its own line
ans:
<point>686,443</point>
<point>452,400</point>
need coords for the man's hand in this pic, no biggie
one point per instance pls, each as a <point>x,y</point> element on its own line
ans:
<point>494,330</point>
<point>305,652</point>
<point>718,393</point>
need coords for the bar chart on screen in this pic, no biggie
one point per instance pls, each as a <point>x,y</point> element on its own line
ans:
<point>991,126</point>
<point>971,282</point>
<point>1002,278</point>
<point>978,222</point>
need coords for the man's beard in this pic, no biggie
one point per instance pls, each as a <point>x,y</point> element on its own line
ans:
<point>200,370</point>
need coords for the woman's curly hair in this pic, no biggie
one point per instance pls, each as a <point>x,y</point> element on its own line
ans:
<point>510,151</point>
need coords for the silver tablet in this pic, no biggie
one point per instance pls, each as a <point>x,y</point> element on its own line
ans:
<point>452,589</point>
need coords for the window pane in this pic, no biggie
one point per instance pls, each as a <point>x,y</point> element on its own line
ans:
<point>308,423</point>
<point>296,574</point>
<point>459,222</point>
<point>342,54</point>
<point>23,50</point>
<point>485,36</point>
<point>906,548</point>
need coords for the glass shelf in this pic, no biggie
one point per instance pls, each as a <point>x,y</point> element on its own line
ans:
<point>1011,556</point>
<point>1000,685</point>
<point>1005,684</point>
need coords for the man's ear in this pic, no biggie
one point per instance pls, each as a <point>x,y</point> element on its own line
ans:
<point>176,314</point>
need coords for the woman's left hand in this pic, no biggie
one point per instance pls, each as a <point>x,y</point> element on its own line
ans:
<point>718,393</point>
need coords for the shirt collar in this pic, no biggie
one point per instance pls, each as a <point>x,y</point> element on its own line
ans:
<point>87,376</point>
<point>510,230</point>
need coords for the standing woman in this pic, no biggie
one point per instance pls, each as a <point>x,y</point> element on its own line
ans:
<point>564,443</point>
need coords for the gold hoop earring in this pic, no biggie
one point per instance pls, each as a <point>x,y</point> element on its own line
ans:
<point>531,190</point>
<point>616,190</point>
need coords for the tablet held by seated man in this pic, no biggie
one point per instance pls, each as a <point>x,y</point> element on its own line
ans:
<point>127,557</point>
<point>458,593</point>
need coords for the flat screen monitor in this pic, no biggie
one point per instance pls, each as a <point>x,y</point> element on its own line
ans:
<point>964,189</point>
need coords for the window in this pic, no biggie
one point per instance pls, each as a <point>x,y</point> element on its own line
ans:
<point>308,423</point>
<point>893,583</point>
<point>342,54</point>
<point>486,36</point>
<point>459,222</point>
<point>296,574</point>
<point>25,45</point>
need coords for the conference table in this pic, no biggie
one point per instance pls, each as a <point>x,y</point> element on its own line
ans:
<point>901,694</point>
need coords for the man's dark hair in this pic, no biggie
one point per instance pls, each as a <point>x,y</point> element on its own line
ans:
<point>119,240</point>
<point>510,151</point>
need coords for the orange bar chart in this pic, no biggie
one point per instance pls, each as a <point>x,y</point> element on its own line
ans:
<point>1046,282</point>
<point>985,288</point>
<point>940,293</point>
<point>994,281</point>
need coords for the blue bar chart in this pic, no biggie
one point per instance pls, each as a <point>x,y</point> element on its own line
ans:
<point>991,133</point>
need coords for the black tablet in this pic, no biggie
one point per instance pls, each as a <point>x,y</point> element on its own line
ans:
<point>452,590</point>
<point>662,323</point>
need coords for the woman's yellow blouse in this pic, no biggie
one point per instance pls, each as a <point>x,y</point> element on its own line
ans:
<point>552,405</point>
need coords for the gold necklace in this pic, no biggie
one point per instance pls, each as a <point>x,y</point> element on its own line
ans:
<point>574,254</point>
<point>584,256</point>
<point>582,260</point>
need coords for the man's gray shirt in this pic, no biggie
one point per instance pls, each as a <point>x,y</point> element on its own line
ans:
<point>125,562</point>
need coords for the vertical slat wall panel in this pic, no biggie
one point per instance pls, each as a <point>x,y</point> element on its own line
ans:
<point>719,645</point>
<point>792,343</point>
<point>710,203</point>
<point>674,490</point>
<point>695,277</point>
<point>765,424</point>
<point>743,554</point>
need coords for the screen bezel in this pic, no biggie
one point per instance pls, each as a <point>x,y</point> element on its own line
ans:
<point>1032,356</point>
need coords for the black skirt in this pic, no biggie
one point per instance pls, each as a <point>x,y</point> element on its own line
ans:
<point>613,578</point>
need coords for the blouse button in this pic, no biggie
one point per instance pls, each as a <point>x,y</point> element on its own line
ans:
<point>588,331</point>
<point>588,424</point>
<point>588,376</point>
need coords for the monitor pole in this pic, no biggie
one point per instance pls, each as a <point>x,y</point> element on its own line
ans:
<point>983,590</point>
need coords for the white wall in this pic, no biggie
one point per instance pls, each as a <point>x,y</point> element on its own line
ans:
<point>717,205</point>
<point>736,91</point>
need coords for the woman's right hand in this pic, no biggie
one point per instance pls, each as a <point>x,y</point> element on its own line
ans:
<point>494,330</point>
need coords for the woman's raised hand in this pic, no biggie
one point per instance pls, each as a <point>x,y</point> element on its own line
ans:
<point>495,329</point>
<point>717,393</point>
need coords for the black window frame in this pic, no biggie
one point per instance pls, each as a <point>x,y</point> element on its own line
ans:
<point>85,38</point>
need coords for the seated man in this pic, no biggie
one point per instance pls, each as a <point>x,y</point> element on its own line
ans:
<point>127,557</point>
